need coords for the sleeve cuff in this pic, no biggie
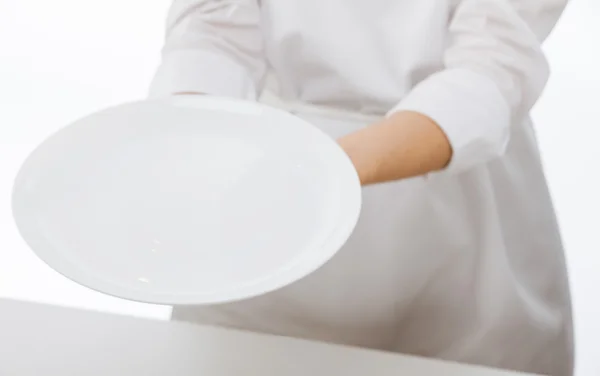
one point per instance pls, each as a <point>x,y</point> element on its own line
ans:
<point>201,72</point>
<point>470,109</point>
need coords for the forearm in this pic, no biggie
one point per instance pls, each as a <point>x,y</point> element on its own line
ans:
<point>494,72</point>
<point>213,47</point>
<point>404,145</point>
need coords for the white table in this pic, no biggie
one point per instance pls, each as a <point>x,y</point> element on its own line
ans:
<point>39,340</point>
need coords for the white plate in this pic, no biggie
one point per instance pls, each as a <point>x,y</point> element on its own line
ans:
<point>195,200</point>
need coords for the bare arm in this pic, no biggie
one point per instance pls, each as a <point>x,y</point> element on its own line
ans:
<point>404,145</point>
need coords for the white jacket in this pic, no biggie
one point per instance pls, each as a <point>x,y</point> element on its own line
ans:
<point>466,265</point>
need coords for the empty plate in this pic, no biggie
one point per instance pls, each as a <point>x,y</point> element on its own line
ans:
<point>192,200</point>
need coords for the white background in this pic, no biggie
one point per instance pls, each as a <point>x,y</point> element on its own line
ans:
<point>62,59</point>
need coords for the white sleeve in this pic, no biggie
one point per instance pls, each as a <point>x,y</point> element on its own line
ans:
<point>212,47</point>
<point>494,72</point>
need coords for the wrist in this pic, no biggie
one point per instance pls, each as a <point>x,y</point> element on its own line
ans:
<point>363,165</point>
